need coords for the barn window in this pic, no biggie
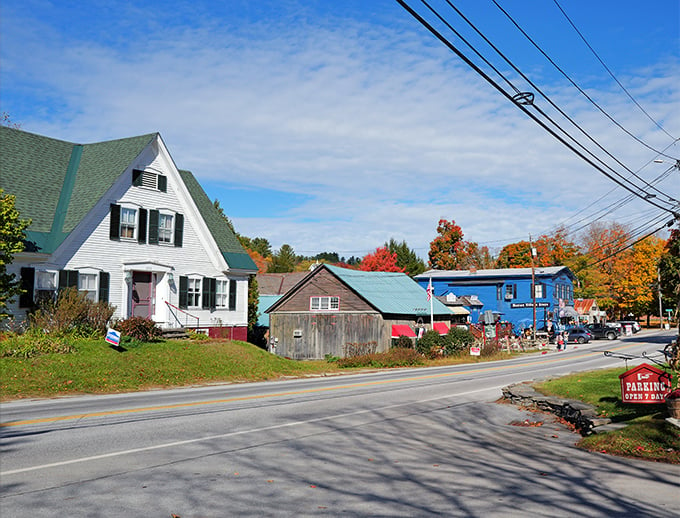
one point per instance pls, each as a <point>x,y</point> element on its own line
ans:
<point>324,303</point>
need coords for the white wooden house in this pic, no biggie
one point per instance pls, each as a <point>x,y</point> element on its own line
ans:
<point>118,220</point>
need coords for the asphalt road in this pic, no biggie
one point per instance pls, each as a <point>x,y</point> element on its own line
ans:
<point>409,442</point>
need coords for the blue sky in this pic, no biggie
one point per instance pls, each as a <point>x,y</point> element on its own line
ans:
<point>337,125</point>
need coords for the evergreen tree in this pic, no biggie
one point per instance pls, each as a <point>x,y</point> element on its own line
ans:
<point>284,260</point>
<point>407,259</point>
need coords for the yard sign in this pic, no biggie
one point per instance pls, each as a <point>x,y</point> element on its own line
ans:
<point>113,337</point>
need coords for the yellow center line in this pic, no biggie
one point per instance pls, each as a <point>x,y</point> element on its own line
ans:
<point>293,392</point>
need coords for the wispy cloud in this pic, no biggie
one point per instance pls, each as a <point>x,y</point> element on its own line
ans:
<point>374,130</point>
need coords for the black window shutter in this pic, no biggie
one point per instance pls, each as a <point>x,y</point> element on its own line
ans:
<point>27,284</point>
<point>514,291</point>
<point>213,293</point>
<point>162,183</point>
<point>141,231</point>
<point>104,278</point>
<point>68,279</point>
<point>179,229</point>
<point>136,177</point>
<point>183,292</point>
<point>114,230</point>
<point>209,292</point>
<point>153,227</point>
<point>232,295</point>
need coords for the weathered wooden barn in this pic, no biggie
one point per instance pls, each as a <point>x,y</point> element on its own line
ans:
<point>334,306</point>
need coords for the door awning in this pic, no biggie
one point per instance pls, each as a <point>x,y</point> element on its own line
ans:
<point>402,330</point>
<point>441,327</point>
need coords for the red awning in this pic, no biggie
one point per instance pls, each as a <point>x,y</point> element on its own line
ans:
<point>402,330</point>
<point>441,327</point>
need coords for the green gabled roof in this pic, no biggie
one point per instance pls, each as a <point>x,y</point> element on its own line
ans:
<point>57,183</point>
<point>227,242</point>
<point>389,292</point>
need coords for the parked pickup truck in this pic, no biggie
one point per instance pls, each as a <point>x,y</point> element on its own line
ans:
<point>603,331</point>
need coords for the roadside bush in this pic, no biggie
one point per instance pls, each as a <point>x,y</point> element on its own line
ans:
<point>142,329</point>
<point>395,357</point>
<point>351,349</point>
<point>430,344</point>
<point>72,313</point>
<point>195,336</point>
<point>34,344</point>
<point>403,342</point>
<point>457,340</point>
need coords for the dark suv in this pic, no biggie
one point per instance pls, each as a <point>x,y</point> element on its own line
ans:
<point>603,331</point>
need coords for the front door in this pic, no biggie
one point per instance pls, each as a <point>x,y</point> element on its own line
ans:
<point>142,294</point>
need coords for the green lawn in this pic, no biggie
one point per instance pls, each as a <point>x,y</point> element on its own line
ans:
<point>95,367</point>
<point>647,436</point>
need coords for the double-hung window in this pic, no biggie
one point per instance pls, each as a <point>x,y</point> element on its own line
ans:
<point>194,293</point>
<point>87,284</point>
<point>128,223</point>
<point>45,285</point>
<point>324,303</point>
<point>222,293</point>
<point>539,291</point>
<point>510,291</point>
<point>166,228</point>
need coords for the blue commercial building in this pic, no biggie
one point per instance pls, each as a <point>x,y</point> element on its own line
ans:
<point>507,293</point>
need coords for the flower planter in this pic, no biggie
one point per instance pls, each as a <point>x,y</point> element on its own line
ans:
<point>673,406</point>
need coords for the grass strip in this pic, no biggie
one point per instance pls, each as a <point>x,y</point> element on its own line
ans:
<point>647,436</point>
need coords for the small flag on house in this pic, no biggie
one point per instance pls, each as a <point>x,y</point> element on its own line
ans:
<point>429,290</point>
<point>113,337</point>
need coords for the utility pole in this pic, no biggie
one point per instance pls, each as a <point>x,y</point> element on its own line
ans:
<point>658,272</point>
<point>532,252</point>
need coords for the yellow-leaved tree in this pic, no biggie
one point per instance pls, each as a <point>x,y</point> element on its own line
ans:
<point>637,272</point>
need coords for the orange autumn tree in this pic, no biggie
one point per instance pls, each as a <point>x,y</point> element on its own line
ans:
<point>382,260</point>
<point>599,273</point>
<point>637,271</point>
<point>551,250</point>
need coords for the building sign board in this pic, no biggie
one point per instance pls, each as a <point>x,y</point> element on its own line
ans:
<point>515,305</point>
<point>644,384</point>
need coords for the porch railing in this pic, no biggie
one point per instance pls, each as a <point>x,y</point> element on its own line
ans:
<point>174,308</point>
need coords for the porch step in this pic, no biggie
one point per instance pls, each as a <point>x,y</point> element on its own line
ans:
<point>174,333</point>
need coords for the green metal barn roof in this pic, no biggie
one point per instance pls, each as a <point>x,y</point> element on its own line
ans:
<point>389,292</point>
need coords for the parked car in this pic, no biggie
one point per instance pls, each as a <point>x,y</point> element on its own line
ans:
<point>579,335</point>
<point>603,331</point>
<point>635,326</point>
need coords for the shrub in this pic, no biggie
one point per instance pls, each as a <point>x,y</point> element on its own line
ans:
<point>430,344</point>
<point>72,313</point>
<point>351,349</point>
<point>142,329</point>
<point>395,357</point>
<point>457,340</point>
<point>197,336</point>
<point>403,342</point>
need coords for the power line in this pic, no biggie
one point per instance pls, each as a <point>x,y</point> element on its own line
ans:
<point>624,248</point>
<point>523,100</point>
<point>535,87</point>
<point>566,76</point>
<point>610,72</point>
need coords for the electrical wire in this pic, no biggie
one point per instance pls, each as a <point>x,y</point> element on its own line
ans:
<point>636,190</point>
<point>538,89</point>
<point>566,76</point>
<point>610,72</point>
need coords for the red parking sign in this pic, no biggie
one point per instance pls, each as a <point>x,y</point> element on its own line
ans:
<point>644,384</point>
